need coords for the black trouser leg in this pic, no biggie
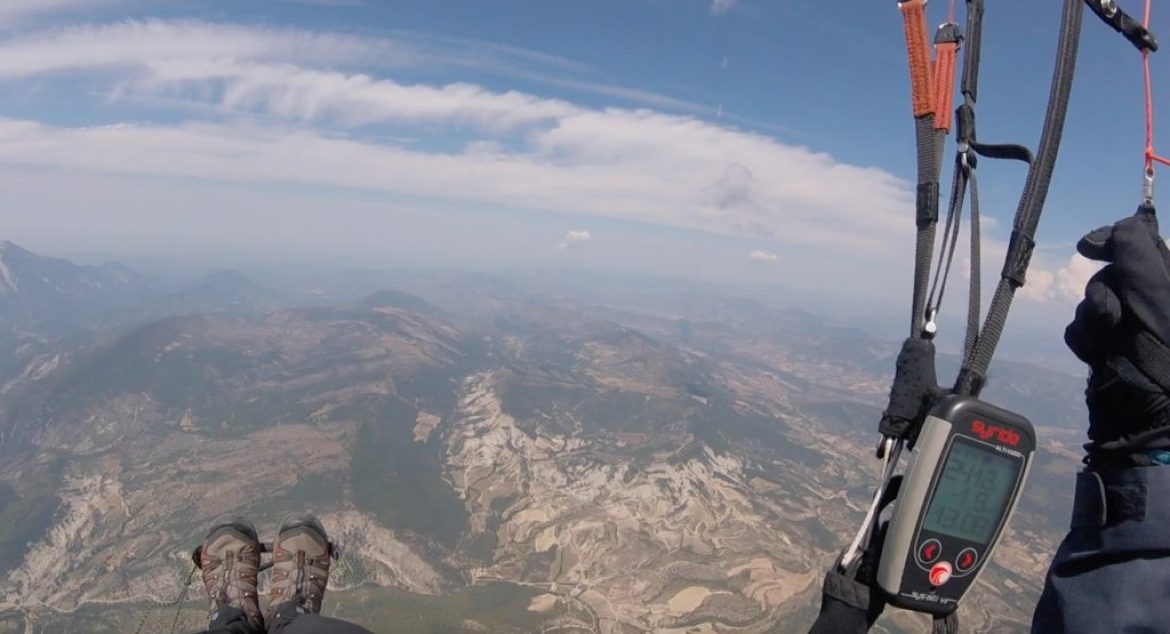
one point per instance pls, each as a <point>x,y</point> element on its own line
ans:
<point>317,624</point>
<point>231,621</point>
<point>286,620</point>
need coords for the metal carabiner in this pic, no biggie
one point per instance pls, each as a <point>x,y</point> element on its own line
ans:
<point>964,151</point>
<point>1148,185</point>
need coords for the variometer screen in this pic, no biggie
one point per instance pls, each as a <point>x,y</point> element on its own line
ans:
<point>972,492</point>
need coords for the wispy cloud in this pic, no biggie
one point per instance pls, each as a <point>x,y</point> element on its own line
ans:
<point>135,45</point>
<point>295,93</point>
<point>573,239</point>
<point>624,93</point>
<point>304,122</point>
<point>763,256</point>
<point>722,6</point>
<point>217,49</point>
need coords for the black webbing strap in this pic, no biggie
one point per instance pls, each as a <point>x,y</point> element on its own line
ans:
<point>848,606</point>
<point>948,624</point>
<point>974,371</point>
<point>938,287</point>
<point>975,288</point>
<point>914,382</point>
<point>1132,29</point>
<point>910,397</point>
<point>969,87</point>
<point>850,598</point>
<point>930,143</point>
<point>966,164</point>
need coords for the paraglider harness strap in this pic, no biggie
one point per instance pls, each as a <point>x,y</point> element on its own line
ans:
<point>1110,497</point>
<point>915,389</point>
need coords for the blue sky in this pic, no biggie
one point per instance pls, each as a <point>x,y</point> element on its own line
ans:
<point>748,140</point>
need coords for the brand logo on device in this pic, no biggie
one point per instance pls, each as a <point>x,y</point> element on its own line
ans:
<point>987,431</point>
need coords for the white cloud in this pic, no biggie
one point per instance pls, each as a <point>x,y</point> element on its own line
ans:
<point>1064,284</point>
<point>133,46</point>
<point>722,6</point>
<point>763,256</point>
<point>299,94</point>
<point>733,188</point>
<point>224,51</point>
<point>270,107</point>
<point>573,239</point>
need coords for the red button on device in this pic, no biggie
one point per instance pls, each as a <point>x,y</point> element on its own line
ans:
<point>967,560</point>
<point>929,551</point>
<point>940,574</point>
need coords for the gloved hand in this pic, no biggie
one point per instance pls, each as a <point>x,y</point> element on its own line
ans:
<point>1121,330</point>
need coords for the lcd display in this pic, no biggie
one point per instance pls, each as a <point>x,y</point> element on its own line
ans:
<point>972,492</point>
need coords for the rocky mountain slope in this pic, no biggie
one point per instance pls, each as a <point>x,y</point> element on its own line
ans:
<point>592,468</point>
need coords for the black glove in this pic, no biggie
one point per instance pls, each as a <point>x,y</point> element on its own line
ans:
<point>1121,331</point>
<point>850,600</point>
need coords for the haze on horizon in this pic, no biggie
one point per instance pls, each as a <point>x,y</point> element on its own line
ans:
<point>733,141</point>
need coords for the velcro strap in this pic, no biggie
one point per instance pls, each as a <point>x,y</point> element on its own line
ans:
<point>1152,357</point>
<point>926,205</point>
<point>1110,497</point>
<point>1019,254</point>
<point>965,122</point>
<point>847,590</point>
<point>915,383</point>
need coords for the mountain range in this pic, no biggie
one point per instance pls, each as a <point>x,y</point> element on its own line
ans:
<point>493,454</point>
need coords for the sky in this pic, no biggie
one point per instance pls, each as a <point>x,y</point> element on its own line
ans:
<point>746,141</point>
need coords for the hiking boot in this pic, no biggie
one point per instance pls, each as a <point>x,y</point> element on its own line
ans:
<point>300,568</point>
<point>230,559</point>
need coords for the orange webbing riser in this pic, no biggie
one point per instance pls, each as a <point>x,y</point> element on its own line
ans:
<point>944,84</point>
<point>918,54</point>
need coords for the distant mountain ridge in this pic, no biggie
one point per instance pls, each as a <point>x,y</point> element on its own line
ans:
<point>48,295</point>
<point>687,463</point>
<point>48,302</point>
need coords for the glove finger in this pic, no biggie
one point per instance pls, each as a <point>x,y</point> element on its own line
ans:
<point>1088,336</point>
<point>1096,245</point>
<point>1143,271</point>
